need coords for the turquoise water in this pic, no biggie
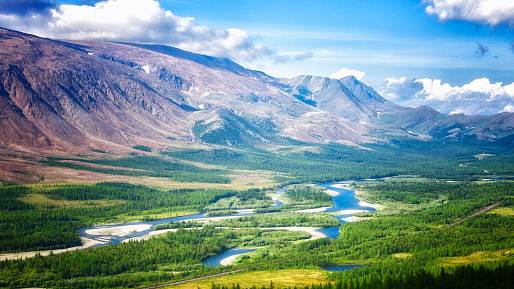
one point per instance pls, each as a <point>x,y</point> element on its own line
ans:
<point>215,260</point>
<point>345,200</point>
<point>330,232</point>
<point>339,268</point>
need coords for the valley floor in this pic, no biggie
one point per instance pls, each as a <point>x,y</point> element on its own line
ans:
<point>131,234</point>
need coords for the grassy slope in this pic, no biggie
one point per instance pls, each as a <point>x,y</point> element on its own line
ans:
<point>280,279</point>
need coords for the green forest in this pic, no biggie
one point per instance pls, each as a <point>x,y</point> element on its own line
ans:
<point>337,162</point>
<point>44,225</point>
<point>432,231</point>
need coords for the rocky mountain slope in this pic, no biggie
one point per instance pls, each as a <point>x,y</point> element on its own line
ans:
<point>56,94</point>
<point>63,95</point>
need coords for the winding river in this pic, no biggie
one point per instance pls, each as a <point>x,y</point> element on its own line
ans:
<point>344,206</point>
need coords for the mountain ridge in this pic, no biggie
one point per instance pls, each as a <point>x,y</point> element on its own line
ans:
<point>73,95</point>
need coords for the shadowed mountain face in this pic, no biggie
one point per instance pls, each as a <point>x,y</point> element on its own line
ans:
<point>76,95</point>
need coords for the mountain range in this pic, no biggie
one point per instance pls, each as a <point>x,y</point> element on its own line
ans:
<point>78,95</point>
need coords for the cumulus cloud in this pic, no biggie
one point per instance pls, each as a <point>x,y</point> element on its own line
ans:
<point>479,96</point>
<point>142,21</point>
<point>401,89</point>
<point>343,72</point>
<point>491,12</point>
<point>508,108</point>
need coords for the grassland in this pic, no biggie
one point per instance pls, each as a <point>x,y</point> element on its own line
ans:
<point>479,257</point>
<point>509,212</point>
<point>279,278</point>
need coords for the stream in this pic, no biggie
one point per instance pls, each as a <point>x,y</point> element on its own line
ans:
<point>344,206</point>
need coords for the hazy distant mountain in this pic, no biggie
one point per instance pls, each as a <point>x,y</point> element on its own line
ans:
<point>427,121</point>
<point>346,97</point>
<point>78,95</point>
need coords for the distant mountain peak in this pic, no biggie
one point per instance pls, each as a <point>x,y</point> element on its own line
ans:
<point>347,97</point>
<point>349,78</point>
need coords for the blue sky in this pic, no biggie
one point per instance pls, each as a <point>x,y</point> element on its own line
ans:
<point>414,52</point>
<point>381,38</point>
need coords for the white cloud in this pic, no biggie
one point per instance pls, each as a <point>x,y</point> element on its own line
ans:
<point>143,21</point>
<point>491,12</point>
<point>479,96</point>
<point>508,108</point>
<point>400,89</point>
<point>343,72</point>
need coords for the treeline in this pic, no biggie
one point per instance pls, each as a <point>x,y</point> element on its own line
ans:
<point>302,166</point>
<point>301,193</point>
<point>263,221</point>
<point>461,198</point>
<point>179,225</point>
<point>465,277</point>
<point>140,197</point>
<point>140,165</point>
<point>180,251</point>
<point>422,191</point>
<point>280,220</point>
<point>249,199</point>
<point>10,198</point>
<point>260,238</point>
<point>27,225</point>
<point>34,230</point>
<point>338,162</point>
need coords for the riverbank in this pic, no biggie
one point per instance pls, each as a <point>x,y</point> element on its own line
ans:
<point>359,194</point>
<point>86,243</point>
<point>344,205</point>
<point>363,201</point>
